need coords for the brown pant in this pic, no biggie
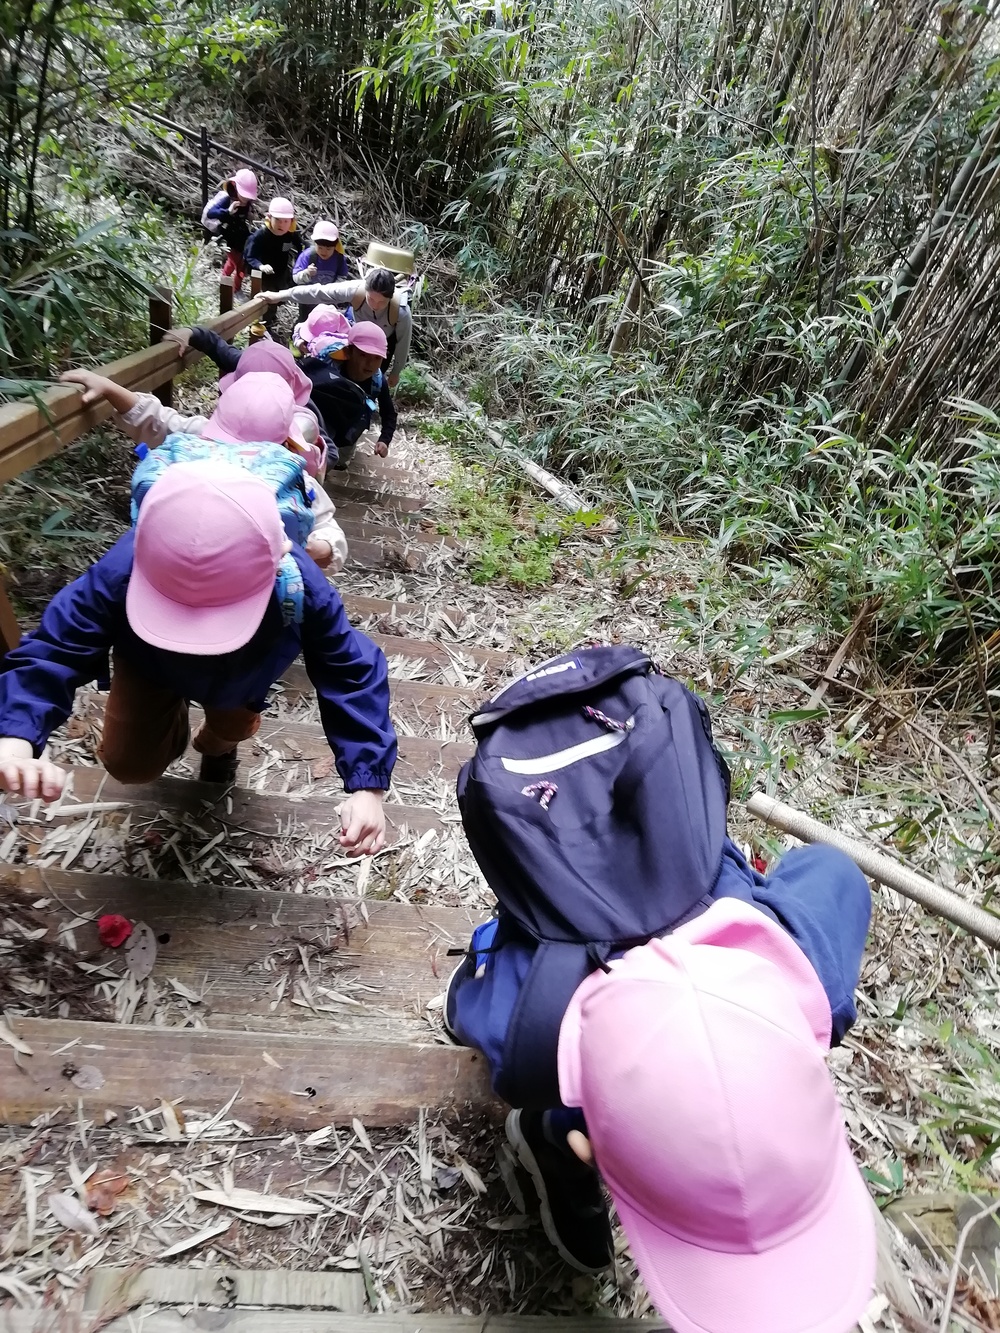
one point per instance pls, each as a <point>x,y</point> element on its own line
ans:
<point>146,727</point>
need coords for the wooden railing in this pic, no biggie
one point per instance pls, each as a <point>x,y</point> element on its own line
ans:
<point>33,431</point>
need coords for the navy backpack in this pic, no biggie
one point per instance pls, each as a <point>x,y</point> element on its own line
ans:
<point>595,806</point>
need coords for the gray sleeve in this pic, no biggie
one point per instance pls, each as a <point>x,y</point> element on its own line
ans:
<point>404,331</point>
<point>333,293</point>
<point>149,422</point>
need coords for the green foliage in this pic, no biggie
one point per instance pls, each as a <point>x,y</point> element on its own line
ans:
<point>513,538</point>
<point>68,279</point>
<point>412,387</point>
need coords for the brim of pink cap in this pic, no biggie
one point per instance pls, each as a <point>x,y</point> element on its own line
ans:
<point>819,1281</point>
<point>203,631</point>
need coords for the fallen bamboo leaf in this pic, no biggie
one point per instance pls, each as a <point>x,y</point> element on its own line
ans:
<point>251,1202</point>
<point>270,1060</point>
<point>140,951</point>
<point>172,1126</point>
<point>88,1078</point>
<point>199,1238</point>
<point>103,1190</point>
<point>70,1213</point>
<point>20,1046</point>
<point>363,1138</point>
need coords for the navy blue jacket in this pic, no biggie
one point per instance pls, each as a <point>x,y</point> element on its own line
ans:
<point>815,893</point>
<point>227,358</point>
<point>86,620</point>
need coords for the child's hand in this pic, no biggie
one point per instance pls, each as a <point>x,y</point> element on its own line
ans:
<point>320,550</point>
<point>309,272</point>
<point>93,384</point>
<point>23,775</point>
<point>362,822</point>
<point>182,337</point>
<point>235,206</point>
<point>266,268</point>
<point>381,449</point>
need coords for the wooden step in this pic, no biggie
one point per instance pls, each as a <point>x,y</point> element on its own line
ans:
<point>321,1321</point>
<point>411,702</point>
<point>359,608</point>
<point>440,654</point>
<point>262,959</point>
<point>238,811</point>
<point>319,1081</point>
<point>342,488</point>
<point>403,535</point>
<point>112,1289</point>
<point>304,744</point>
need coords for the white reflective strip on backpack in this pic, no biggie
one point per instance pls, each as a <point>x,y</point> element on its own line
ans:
<point>550,763</point>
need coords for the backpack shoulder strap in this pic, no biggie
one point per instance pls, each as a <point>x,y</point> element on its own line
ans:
<point>394,311</point>
<point>358,300</point>
<point>529,1076</point>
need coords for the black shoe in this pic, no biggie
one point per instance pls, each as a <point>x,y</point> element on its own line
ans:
<point>574,1214</point>
<point>219,767</point>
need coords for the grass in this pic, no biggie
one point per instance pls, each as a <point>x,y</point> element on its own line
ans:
<point>514,536</point>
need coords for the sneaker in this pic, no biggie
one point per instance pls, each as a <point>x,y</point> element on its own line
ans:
<point>574,1214</point>
<point>220,767</point>
<point>449,1030</point>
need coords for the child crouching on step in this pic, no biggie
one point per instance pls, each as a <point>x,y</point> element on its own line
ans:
<point>146,421</point>
<point>193,605</point>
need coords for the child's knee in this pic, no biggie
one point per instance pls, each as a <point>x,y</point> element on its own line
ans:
<point>132,768</point>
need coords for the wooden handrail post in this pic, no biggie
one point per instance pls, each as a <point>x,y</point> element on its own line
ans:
<point>225,295</point>
<point>256,278</point>
<point>10,630</point>
<point>161,315</point>
<point>204,165</point>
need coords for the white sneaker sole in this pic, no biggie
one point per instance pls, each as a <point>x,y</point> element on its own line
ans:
<point>512,1128</point>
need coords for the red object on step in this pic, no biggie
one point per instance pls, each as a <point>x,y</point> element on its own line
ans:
<point>759,864</point>
<point>113,930</point>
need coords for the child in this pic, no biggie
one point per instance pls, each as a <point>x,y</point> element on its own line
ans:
<point>274,247</point>
<point>263,355</point>
<point>323,261</point>
<point>691,1074</point>
<point>227,215</point>
<point>347,386</point>
<point>187,603</point>
<point>371,299</point>
<point>144,419</point>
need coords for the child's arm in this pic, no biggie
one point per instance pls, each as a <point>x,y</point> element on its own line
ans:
<point>388,418</point>
<point>335,293</point>
<point>140,415</point>
<point>404,332</point>
<point>327,544</point>
<point>352,687</point>
<point>42,674</point>
<point>99,386</point>
<point>215,211</point>
<point>208,343</point>
<point>304,268</point>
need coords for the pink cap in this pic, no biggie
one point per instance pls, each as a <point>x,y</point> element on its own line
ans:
<point>368,337</point>
<point>268,355</point>
<point>698,1061</point>
<point>257,408</point>
<point>246,183</point>
<point>280,207</point>
<point>325,319</point>
<point>208,542</point>
<point>325,231</point>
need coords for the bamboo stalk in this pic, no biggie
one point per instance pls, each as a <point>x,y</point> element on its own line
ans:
<point>942,902</point>
<point>562,493</point>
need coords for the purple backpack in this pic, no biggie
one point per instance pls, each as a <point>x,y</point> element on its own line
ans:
<point>595,806</point>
